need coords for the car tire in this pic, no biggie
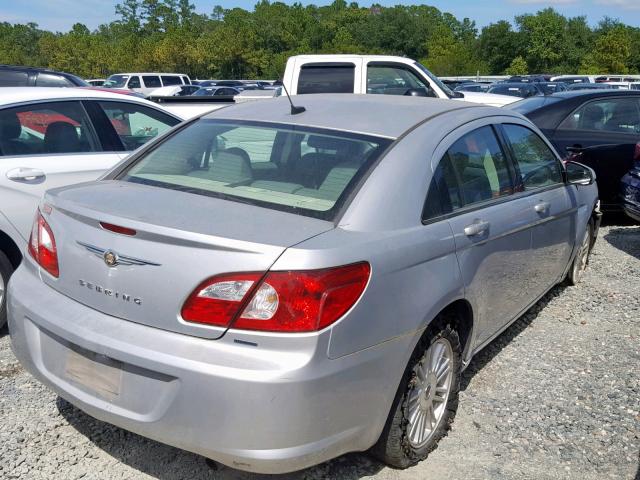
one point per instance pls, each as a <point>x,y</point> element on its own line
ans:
<point>6,269</point>
<point>581,260</point>
<point>400,445</point>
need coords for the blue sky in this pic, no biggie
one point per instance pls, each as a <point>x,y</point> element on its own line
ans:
<point>61,14</point>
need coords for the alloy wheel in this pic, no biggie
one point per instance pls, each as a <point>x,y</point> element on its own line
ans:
<point>429,392</point>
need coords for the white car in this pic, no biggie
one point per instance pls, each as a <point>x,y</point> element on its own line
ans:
<point>53,137</point>
<point>145,83</point>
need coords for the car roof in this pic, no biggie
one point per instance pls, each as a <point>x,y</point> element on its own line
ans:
<point>379,115</point>
<point>28,68</point>
<point>604,92</point>
<point>14,95</point>
<point>151,73</point>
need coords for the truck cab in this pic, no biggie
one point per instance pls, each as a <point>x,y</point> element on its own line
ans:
<point>372,74</point>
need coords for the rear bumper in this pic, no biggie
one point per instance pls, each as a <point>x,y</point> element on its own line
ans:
<point>278,407</point>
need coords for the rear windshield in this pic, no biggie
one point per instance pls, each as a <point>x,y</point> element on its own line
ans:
<point>298,169</point>
<point>532,103</point>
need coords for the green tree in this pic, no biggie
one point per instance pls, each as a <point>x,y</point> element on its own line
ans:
<point>517,67</point>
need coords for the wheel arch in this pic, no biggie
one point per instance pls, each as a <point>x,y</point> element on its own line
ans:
<point>10,249</point>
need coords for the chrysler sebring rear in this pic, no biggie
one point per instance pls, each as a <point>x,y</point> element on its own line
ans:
<point>273,290</point>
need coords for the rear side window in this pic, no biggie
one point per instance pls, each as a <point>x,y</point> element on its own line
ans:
<point>50,80</point>
<point>46,128</point>
<point>473,170</point>
<point>620,115</point>
<point>168,80</point>
<point>136,124</point>
<point>9,78</point>
<point>327,78</point>
<point>537,165</point>
<point>299,169</point>
<point>151,81</point>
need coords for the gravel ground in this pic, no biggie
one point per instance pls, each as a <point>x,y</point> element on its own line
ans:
<point>556,396</point>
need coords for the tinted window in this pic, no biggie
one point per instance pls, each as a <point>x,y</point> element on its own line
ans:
<point>136,124</point>
<point>473,170</point>
<point>185,80</point>
<point>46,128</point>
<point>537,164</point>
<point>9,78</point>
<point>50,80</point>
<point>312,168</point>
<point>151,81</point>
<point>170,80</point>
<point>392,80</point>
<point>116,81</point>
<point>326,79</point>
<point>612,115</point>
<point>522,91</point>
<point>134,82</point>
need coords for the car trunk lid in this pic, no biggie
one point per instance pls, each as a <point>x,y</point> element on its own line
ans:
<point>180,240</point>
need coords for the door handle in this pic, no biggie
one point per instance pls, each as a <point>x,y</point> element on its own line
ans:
<point>476,228</point>
<point>24,174</point>
<point>542,207</point>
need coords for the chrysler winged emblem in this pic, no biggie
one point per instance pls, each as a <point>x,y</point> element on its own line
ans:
<point>113,259</point>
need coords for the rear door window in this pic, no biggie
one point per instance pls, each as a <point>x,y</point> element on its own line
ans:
<point>11,78</point>
<point>474,170</point>
<point>46,128</point>
<point>620,115</point>
<point>538,166</point>
<point>136,124</point>
<point>231,160</point>
<point>333,78</point>
<point>151,81</point>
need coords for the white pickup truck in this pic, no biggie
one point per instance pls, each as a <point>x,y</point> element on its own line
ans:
<point>363,74</point>
<point>373,74</point>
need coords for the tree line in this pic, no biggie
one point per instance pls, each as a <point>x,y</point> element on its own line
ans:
<point>169,35</point>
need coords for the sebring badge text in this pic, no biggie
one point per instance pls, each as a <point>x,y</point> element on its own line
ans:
<point>110,293</point>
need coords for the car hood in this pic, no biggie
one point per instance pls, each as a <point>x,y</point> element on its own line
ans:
<point>492,99</point>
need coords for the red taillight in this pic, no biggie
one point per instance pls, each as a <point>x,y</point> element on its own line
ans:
<point>42,245</point>
<point>291,301</point>
<point>118,229</point>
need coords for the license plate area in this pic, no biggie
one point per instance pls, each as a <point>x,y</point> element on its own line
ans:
<point>99,373</point>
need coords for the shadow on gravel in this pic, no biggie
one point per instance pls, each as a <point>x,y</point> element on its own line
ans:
<point>625,239</point>
<point>169,463</point>
<point>4,330</point>
<point>495,347</point>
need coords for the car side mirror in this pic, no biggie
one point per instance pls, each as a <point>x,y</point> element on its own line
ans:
<point>417,92</point>
<point>578,174</point>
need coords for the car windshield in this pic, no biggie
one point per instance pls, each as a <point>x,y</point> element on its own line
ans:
<point>116,81</point>
<point>448,92</point>
<point>303,170</point>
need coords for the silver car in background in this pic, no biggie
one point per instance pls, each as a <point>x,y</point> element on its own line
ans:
<point>273,290</point>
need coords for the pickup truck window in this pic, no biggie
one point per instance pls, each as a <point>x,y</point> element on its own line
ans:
<point>151,81</point>
<point>334,78</point>
<point>393,80</point>
<point>447,91</point>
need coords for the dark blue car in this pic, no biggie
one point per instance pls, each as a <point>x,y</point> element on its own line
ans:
<point>630,189</point>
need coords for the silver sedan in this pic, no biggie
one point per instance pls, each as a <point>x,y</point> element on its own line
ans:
<point>273,288</point>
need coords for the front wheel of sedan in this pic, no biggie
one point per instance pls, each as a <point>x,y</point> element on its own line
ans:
<point>425,403</point>
<point>581,261</point>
